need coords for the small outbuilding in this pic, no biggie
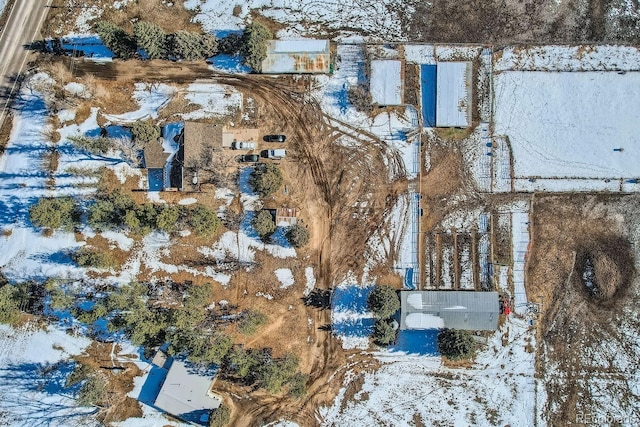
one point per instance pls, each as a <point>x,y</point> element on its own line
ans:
<point>468,310</point>
<point>386,83</point>
<point>453,94</point>
<point>186,391</point>
<point>306,56</point>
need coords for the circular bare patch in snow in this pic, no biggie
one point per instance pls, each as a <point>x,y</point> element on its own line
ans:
<point>604,269</point>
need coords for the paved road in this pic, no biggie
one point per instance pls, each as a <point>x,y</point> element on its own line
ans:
<point>22,27</point>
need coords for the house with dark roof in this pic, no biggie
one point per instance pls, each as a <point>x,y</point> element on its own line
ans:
<point>155,160</point>
<point>468,310</point>
<point>199,143</point>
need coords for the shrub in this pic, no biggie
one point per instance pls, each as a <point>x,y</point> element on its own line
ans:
<point>298,385</point>
<point>116,39</point>
<point>9,305</point>
<point>298,236</point>
<point>54,213</point>
<point>360,98</point>
<point>251,321</point>
<point>383,301</point>
<point>92,391</point>
<point>456,344</point>
<point>167,218</point>
<point>109,210</point>
<point>145,131</point>
<point>383,332</point>
<point>266,179</point>
<point>231,44</point>
<point>203,221</point>
<point>220,416</point>
<point>80,373</point>
<point>276,373</point>
<point>243,363</point>
<point>89,257</point>
<point>97,145</point>
<point>255,40</point>
<point>152,39</point>
<point>264,224</point>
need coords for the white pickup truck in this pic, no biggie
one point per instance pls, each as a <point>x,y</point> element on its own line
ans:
<point>274,154</point>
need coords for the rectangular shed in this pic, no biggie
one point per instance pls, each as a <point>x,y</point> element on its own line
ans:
<point>469,310</point>
<point>186,392</point>
<point>386,84</point>
<point>453,94</point>
<point>297,56</point>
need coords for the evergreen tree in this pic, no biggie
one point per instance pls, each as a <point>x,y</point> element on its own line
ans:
<point>255,40</point>
<point>220,416</point>
<point>54,213</point>
<point>263,224</point>
<point>383,332</point>
<point>266,179</point>
<point>203,220</point>
<point>145,131</point>
<point>152,39</point>
<point>383,301</point>
<point>456,344</point>
<point>297,235</point>
<point>116,39</point>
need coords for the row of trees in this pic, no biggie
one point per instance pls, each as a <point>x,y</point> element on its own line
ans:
<point>185,326</point>
<point>118,211</point>
<point>157,44</point>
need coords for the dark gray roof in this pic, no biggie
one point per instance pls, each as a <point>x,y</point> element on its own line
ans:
<point>474,311</point>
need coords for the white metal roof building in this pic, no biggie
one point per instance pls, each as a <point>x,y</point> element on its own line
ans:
<point>386,83</point>
<point>186,392</point>
<point>297,56</point>
<point>453,94</point>
<point>469,310</point>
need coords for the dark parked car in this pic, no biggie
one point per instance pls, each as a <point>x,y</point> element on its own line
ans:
<point>275,138</point>
<point>248,158</point>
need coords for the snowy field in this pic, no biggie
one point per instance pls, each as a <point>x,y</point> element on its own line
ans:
<point>379,18</point>
<point>499,390</point>
<point>34,364</point>
<point>570,117</point>
<point>570,125</point>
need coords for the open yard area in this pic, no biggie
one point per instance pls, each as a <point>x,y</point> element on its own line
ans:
<point>569,125</point>
<point>294,213</point>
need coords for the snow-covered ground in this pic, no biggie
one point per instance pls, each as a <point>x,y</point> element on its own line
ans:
<point>569,117</point>
<point>500,389</point>
<point>34,364</point>
<point>379,18</point>
<point>569,125</point>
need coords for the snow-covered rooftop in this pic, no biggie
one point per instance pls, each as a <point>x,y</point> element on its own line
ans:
<point>475,311</point>
<point>453,94</point>
<point>297,56</point>
<point>386,84</point>
<point>185,392</point>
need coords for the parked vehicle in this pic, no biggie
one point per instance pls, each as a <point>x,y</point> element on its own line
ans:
<point>243,145</point>
<point>274,154</point>
<point>248,158</point>
<point>274,138</point>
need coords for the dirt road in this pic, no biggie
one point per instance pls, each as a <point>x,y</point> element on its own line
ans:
<point>23,24</point>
